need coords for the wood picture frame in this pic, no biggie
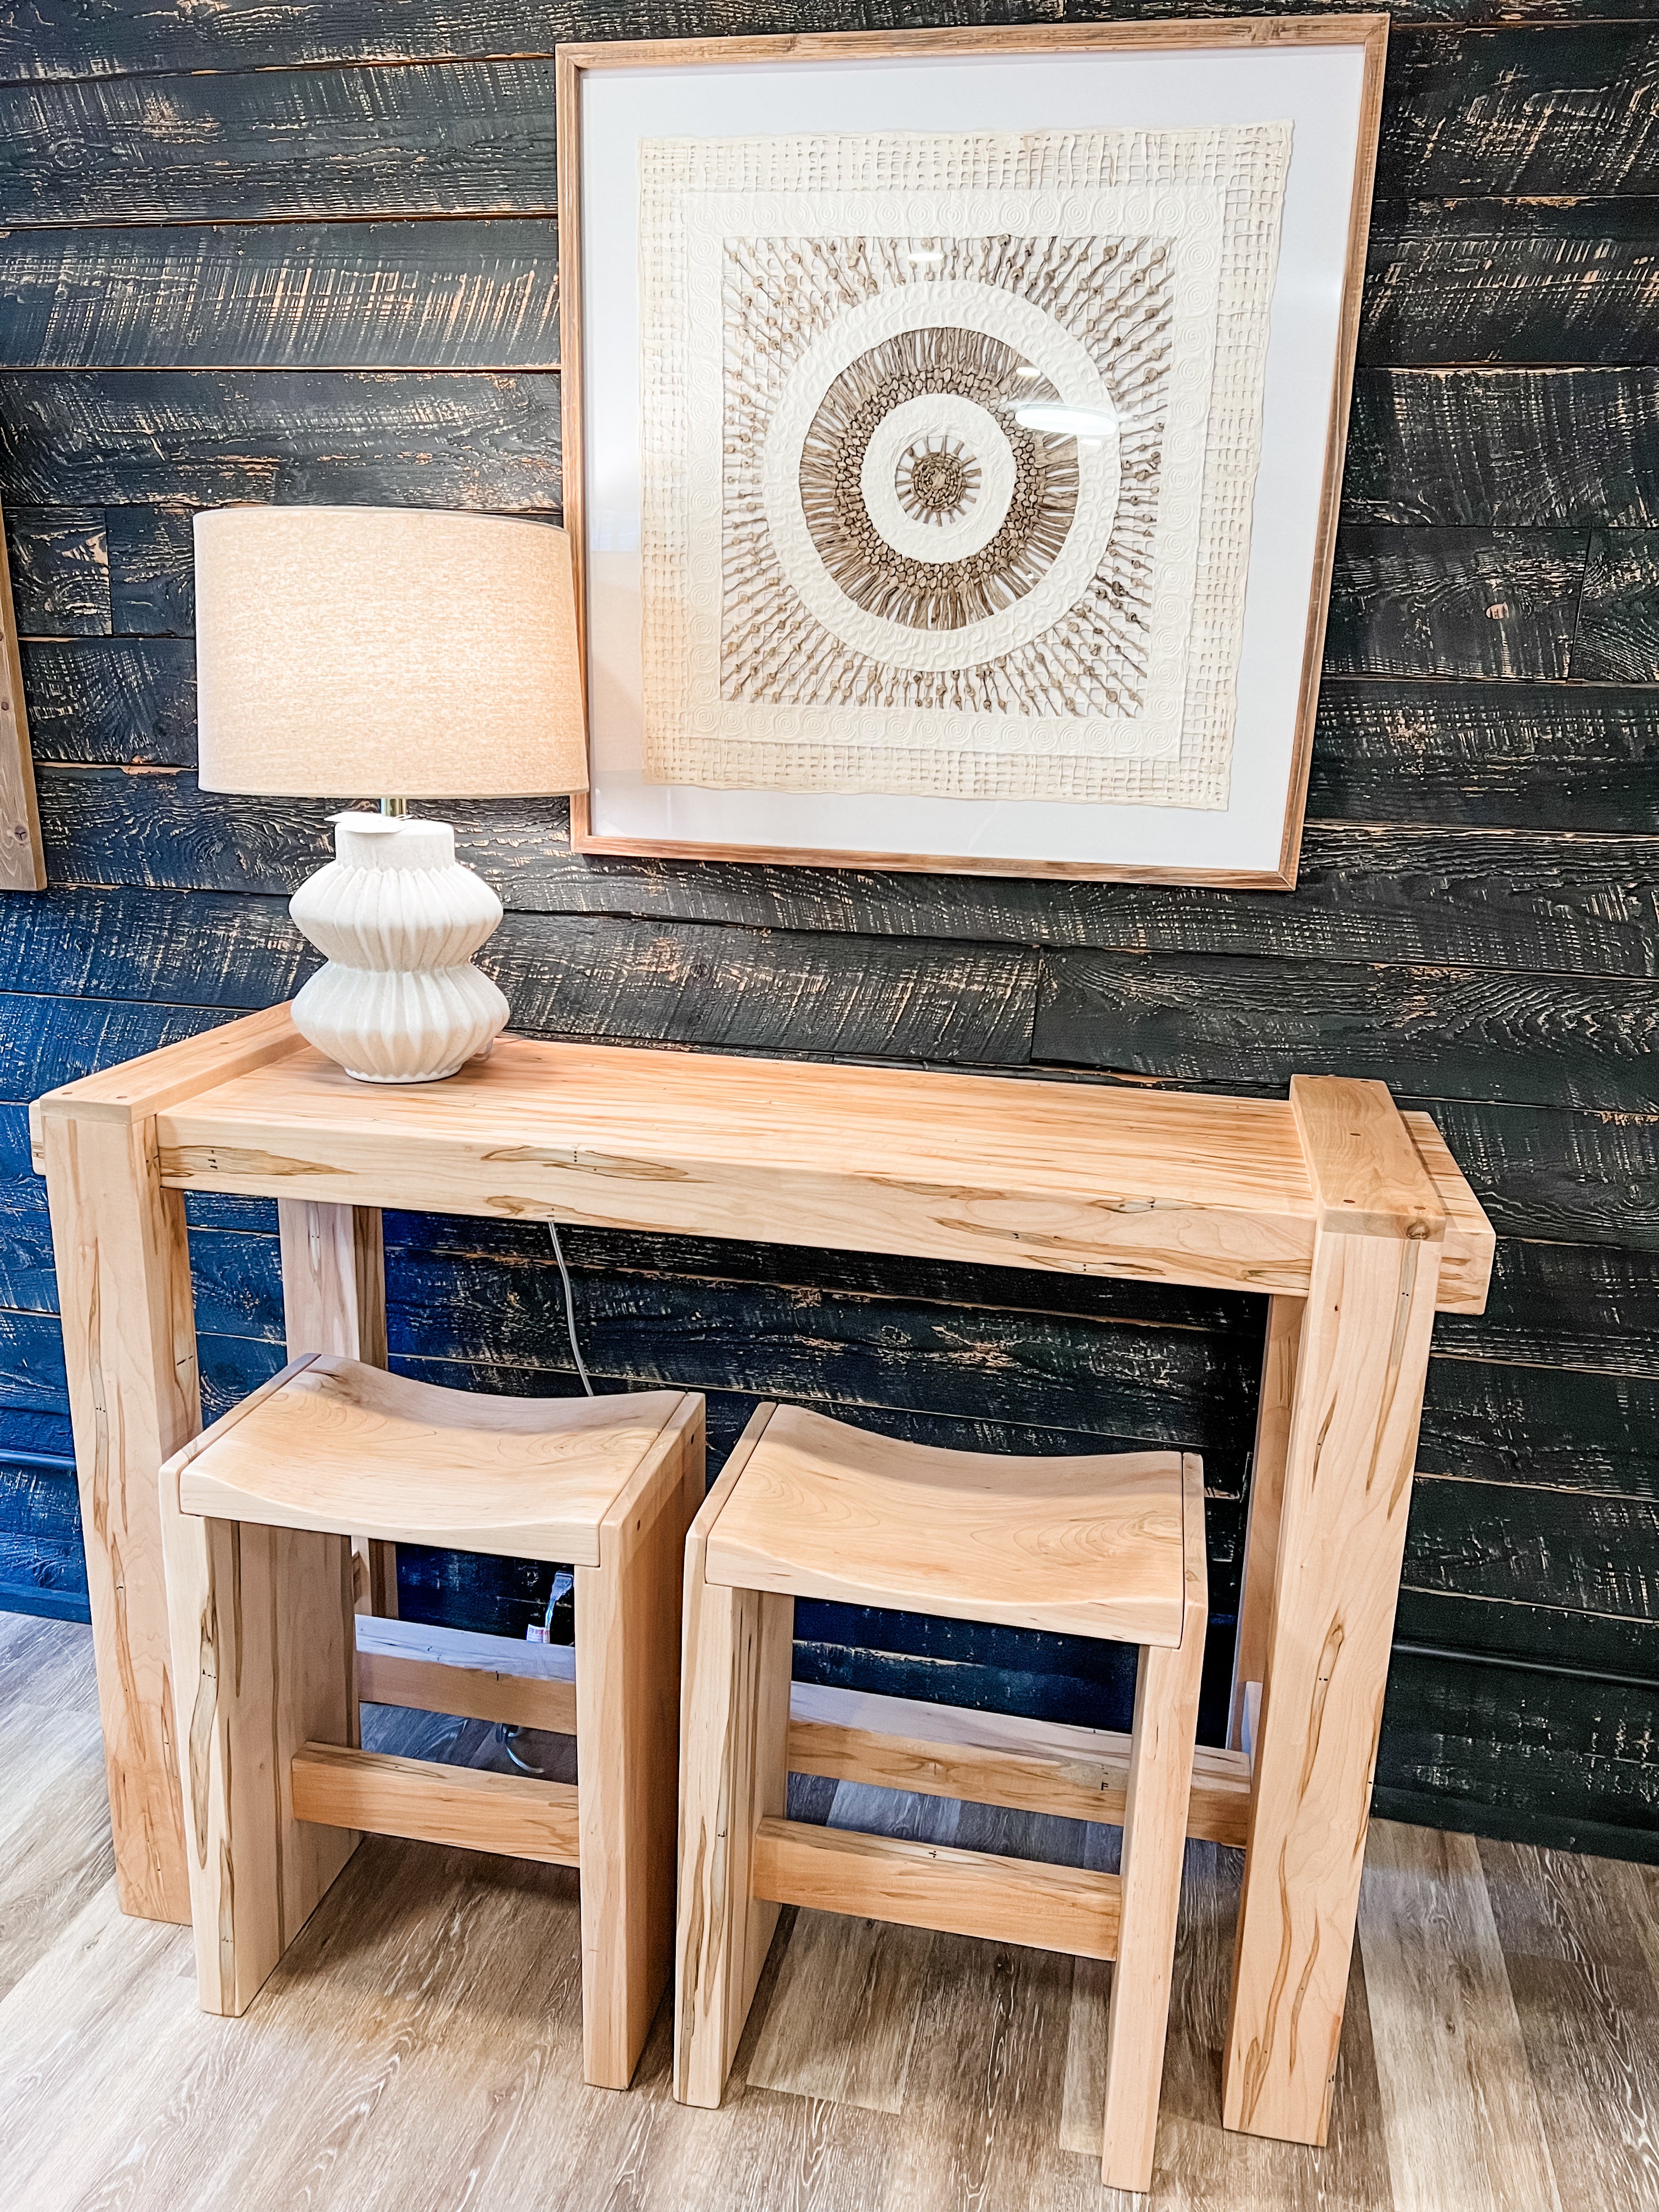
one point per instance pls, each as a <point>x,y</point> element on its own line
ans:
<point>1273,841</point>
<point>23,859</point>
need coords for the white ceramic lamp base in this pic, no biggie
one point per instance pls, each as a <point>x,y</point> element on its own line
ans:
<point>399,919</point>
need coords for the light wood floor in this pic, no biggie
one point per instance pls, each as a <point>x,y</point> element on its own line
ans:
<point>420,2049</point>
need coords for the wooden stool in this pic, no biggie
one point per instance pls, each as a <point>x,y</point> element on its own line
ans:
<point>257,1515</point>
<point>1110,1548</point>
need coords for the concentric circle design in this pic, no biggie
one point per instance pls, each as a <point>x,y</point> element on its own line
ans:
<point>951,440</point>
<point>1008,527</point>
<point>937,483</point>
<point>908,576</point>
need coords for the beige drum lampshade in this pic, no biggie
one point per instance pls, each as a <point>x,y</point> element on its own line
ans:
<point>364,652</point>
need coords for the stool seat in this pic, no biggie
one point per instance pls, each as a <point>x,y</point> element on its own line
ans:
<point>332,1445</point>
<point>1087,1547</point>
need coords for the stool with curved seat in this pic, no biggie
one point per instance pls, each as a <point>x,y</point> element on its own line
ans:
<point>257,1513</point>
<point>1109,1546</point>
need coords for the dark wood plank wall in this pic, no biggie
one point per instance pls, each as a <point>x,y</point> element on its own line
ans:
<point>309,253</point>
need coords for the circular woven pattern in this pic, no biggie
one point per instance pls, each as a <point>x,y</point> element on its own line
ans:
<point>942,483</point>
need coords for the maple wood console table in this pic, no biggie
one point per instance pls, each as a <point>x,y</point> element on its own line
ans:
<point>1352,1216</point>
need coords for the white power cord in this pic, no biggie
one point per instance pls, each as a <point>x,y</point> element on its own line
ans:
<point>506,1735</point>
<point>569,1308</point>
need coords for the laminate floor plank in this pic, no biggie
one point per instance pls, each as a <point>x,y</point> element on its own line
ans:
<point>1590,2020</point>
<point>1199,2165</point>
<point>1459,2110</point>
<point>55,1849</point>
<point>981,2119</point>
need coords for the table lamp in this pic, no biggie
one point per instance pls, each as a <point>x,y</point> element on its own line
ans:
<point>400,653</point>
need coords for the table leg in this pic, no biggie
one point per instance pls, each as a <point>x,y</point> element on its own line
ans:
<point>1357,1402</point>
<point>130,1353</point>
<point>334,1300</point>
<point>1272,1443</point>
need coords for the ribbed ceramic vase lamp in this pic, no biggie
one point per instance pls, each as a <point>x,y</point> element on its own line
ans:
<point>403,655</point>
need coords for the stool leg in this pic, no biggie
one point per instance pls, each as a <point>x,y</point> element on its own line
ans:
<point>628,1696</point>
<point>733,1773</point>
<point>1154,1846</point>
<point>263,1660</point>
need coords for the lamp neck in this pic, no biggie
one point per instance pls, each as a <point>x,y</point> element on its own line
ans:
<point>397,807</point>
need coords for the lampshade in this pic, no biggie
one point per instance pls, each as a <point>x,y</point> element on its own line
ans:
<point>363,651</point>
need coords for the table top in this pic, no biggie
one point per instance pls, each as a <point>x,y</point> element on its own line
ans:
<point>1078,1177</point>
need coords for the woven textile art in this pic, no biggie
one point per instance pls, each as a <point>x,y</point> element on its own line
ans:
<point>862,570</point>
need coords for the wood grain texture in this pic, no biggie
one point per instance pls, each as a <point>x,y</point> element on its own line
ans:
<point>263,1659</point>
<point>1618,639</point>
<point>1512,1748</point>
<point>1486,755</point>
<point>58,558</point>
<point>448,1670</point>
<point>1051,1908</point>
<point>1509,899</point>
<point>734,1724</point>
<point>1273,1442</point>
<point>173,38</point>
<point>1155,1823</point>
<point>391,296</point>
<point>260,144</point>
<point>1533,113</point>
<point>1520,1039</point>
<point>1221,1170</point>
<point>1408,602</point>
<point>334,1443</point>
<point>1459,2105</point>
<point>1539,448</point>
<point>336,1787</point>
<point>1079,1547</point>
<point>333,1266</point>
<point>130,700</point>
<point>213,437</point>
<point>841,2020</point>
<point>441,2080</point>
<point>1433,752</point>
<point>1580,1958</point>
<point>130,1356</point>
<point>1364,1350</point>
<point>1519,441</point>
<point>1498,280</point>
<point>628,1701</point>
<point>995,1759</point>
<point>22,863</point>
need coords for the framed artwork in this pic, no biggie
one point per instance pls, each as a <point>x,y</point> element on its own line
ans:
<point>953,426</point>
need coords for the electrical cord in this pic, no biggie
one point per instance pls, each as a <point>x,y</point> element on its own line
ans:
<point>506,1735</point>
<point>569,1307</point>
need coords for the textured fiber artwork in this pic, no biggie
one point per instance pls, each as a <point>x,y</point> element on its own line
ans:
<point>949,443</point>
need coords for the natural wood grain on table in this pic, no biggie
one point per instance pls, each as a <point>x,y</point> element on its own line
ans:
<point>1201,1190</point>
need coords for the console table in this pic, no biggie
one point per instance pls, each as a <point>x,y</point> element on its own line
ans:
<point>1351,1215</point>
